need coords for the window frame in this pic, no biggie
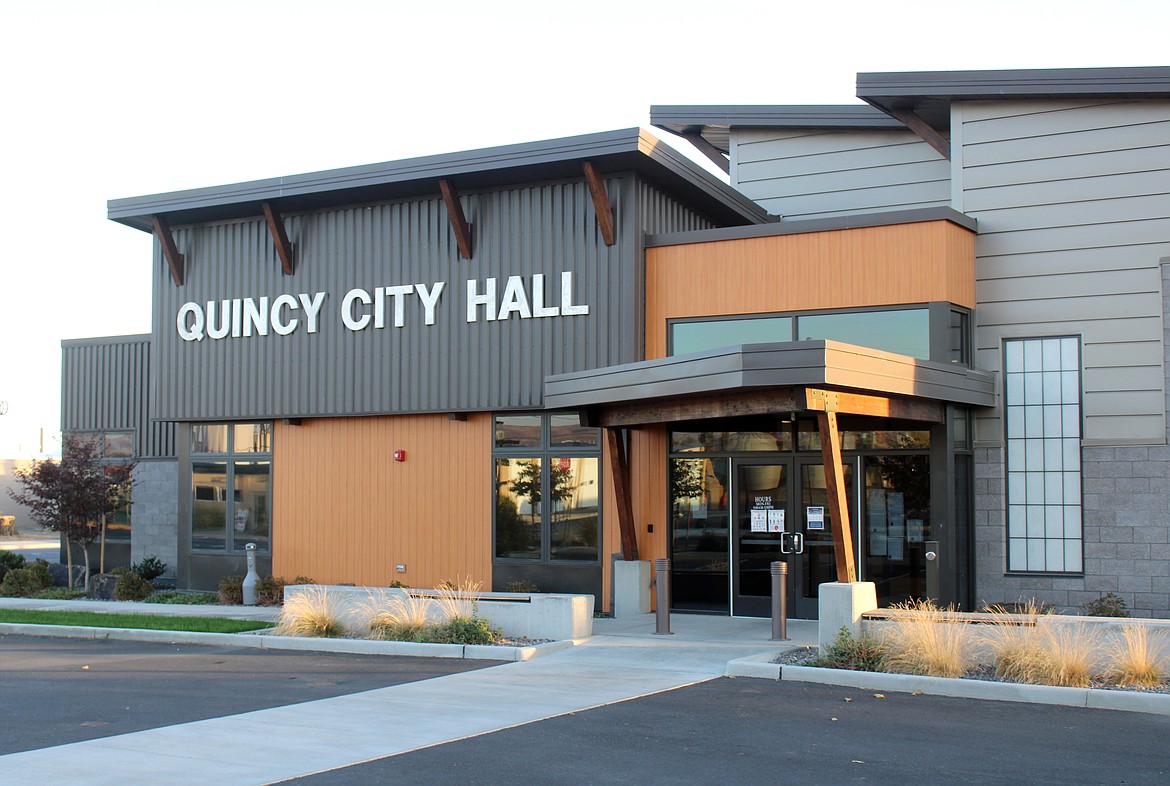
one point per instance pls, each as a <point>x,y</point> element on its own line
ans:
<point>1010,501</point>
<point>545,453</point>
<point>230,493</point>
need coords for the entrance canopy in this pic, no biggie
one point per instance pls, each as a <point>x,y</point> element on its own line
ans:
<point>755,379</point>
<point>825,377</point>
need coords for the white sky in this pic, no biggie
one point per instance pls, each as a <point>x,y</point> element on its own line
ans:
<point>119,98</point>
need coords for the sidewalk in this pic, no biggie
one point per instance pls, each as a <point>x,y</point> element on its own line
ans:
<point>624,660</point>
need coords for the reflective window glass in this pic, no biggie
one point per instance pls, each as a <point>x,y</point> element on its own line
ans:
<point>566,431</point>
<point>519,489</point>
<point>209,438</point>
<point>573,489</point>
<point>252,438</point>
<point>518,431</point>
<point>250,495</point>
<point>119,444</point>
<point>688,337</point>
<point>209,505</point>
<point>904,331</point>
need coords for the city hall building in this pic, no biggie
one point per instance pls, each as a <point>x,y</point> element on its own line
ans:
<point>918,341</point>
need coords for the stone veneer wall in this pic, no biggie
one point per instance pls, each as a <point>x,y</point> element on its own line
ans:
<point>155,512</point>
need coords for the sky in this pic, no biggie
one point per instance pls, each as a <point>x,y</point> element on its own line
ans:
<point>104,99</point>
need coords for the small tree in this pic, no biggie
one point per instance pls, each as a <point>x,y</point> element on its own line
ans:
<point>72,496</point>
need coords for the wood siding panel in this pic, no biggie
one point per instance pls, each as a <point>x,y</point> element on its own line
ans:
<point>901,264</point>
<point>1072,200</point>
<point>821,173</point>
<point>345,511</point>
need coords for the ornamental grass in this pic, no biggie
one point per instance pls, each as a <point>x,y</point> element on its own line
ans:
<point>394,618</point>
<point>1137,658</point>
<point>311,612</point>
<point>922,640</point>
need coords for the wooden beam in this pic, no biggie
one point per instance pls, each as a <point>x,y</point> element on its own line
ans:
<point>620,469</point>
<point>162,230</point>
<point>601,203</point>
<point>877,406</point>
<point>279,237</point>
<point>458,220</point>
<point>838,502</point>
<point>924,131</point>
<point>721,405</point>
<point>709,150</point>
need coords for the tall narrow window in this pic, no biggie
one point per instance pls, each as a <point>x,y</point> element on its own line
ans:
<point>1042,404</point>
<point>231,480</point>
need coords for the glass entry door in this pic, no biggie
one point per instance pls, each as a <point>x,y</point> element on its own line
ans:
<point>762,516</point>
<point>818,563</point>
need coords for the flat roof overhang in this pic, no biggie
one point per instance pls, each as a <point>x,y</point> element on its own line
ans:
<point>755,379</point>
<point>714,123</point>
<point>632,149</point>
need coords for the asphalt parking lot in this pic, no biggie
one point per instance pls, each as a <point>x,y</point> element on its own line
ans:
<point>68,690</point>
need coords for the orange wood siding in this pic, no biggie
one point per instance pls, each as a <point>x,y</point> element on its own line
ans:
<point>849,268</point>
<point>345,511</point>
<point>647,460</point>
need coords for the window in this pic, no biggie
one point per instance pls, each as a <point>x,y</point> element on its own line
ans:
<point>1042,407</point>
<point>905,331</point>
<point>548,494</point>
<point>113,448</point>
<point>231,486</point>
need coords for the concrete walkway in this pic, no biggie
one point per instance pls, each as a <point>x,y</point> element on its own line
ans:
<point>624,660</point>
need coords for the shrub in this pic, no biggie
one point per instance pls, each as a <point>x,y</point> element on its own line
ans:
<point>13,560</point>
<point>231,590</point>
<point>461,630</point>
<point>149,568</point>
<point>396,584</point>
<point>1136,659</point>
<point>521,586</point>
<point>312,613</point>
<point>923,641</point>
<point>131,586</point>
<point>302,580</point>
<point>60,593</point>
<point>269,591</point>
<point>1108,605</point>
<point>861,653</point>
<point>26,582</point>
<point>175,597</point>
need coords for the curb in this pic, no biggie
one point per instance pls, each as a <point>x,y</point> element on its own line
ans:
<point>270,642</point>
<point>758,666</point>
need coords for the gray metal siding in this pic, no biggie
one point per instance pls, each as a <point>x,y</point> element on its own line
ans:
<point>821,173</point>
<point>1073,203</point>
<point>449,366</point>
<point>105,387</point>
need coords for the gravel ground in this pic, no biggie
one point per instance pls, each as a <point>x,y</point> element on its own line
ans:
<point>803,656</point>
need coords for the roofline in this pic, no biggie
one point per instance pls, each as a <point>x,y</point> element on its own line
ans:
<point>1129,82</point>
<point>673,117</point>
<point>632,148</point>
<point>804,226</point>
<point>127,339</point>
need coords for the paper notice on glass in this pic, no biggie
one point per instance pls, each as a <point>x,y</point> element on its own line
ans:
<point>896,513</point>
<point>915,532</point>
<point>759,521</point>
<point>815,517</point>
<point>894,548</point>
<point>775,521</point>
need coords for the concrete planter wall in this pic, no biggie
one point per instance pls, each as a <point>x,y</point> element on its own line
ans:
<point>533,616</point>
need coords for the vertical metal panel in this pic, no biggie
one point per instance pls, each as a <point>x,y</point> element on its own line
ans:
<point>1072,199</point>
<point>105,387</point>
<point>453,365</point>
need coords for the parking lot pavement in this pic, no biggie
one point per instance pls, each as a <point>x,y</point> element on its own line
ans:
<point>759,731</point>
<point>58,691</point>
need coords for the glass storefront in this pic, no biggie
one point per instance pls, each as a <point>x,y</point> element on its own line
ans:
<point>733,495</point>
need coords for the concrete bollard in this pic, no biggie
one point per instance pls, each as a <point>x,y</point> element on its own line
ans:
<point>662,597</point>
<point>251,579</point>
<point>779,601</point>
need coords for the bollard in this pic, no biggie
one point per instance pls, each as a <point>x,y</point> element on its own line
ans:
<point>662,599</point>
<point>779,601</point>
<point>251,579</point>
